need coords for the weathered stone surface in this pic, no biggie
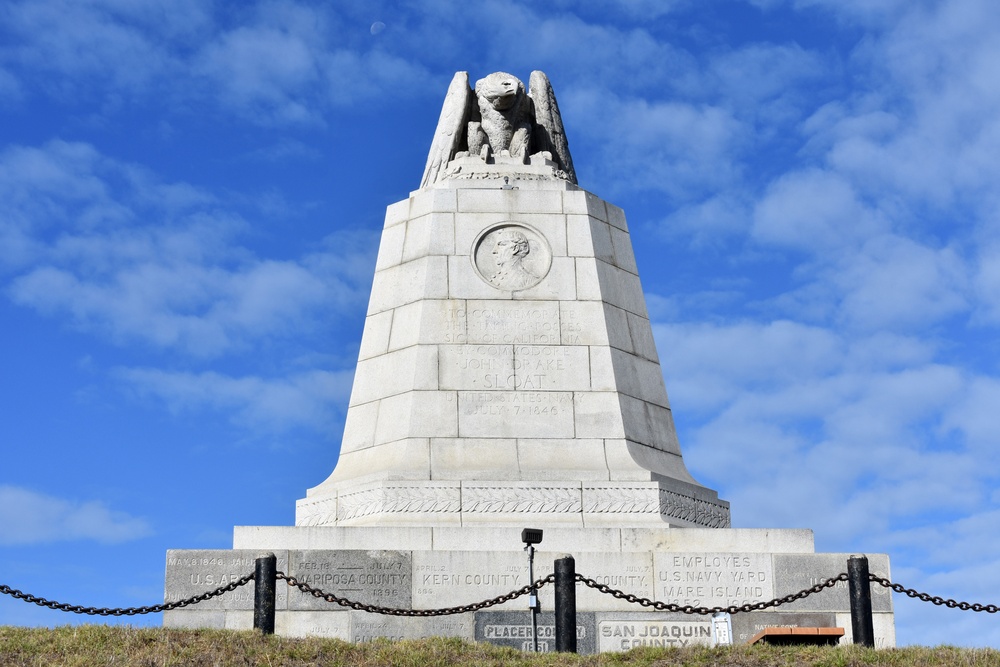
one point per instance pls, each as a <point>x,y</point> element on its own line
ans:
<point>625,631</point>
<point>193,572</point>
<point>461,565</point>
<point>515,414</point>
<point>367,627</point>
<point>883,624</point>
<point>327,623</point>
<point>380,578</point>
<point>513,629</point>
<point>799,571</point>
<point>713,579</point>
<point>455,578</point>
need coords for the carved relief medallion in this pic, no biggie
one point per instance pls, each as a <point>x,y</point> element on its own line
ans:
<point>511,256</point>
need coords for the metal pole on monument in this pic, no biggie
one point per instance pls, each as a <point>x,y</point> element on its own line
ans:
<point>861,601</point>
<point>565,570</point>
<point>531,537</point>
<point>265,592</point>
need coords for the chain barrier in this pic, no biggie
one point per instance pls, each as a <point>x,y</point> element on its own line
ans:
<point>395,611</point>
<point>603,588</point>
<point>513,595</point>
<point>704,611</point>
<point>127,611</point>
<point>935,599</point>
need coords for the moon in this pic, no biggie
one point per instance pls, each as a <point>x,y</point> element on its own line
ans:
<point>377,27</point>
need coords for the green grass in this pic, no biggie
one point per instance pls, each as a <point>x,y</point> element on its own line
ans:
<point>98,645</point>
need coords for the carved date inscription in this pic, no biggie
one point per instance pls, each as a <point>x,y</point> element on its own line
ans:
<point>516,414</point>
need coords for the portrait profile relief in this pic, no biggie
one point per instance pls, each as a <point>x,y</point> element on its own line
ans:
<point>511,257</point>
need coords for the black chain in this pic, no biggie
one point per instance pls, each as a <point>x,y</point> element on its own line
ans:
<point>951,604</point>
<point>128,611</point>
<point>513,595</point>
<point>704,611</point>
<point>395,611</point>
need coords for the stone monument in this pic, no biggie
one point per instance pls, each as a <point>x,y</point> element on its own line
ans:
<point>508,378</point>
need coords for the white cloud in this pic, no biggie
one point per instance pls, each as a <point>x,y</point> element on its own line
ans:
<point>129,257</point>
<point>29,517</point>
<point>845,427</point>
<point>260,70</point>
<point>896,283</point>
<point>685,150</point>
<point>278,63</point>
<point>814,211</point>
<point>310,399</point>
<point>987,284</point>
<point>752,74</point>
<point>114,43</point>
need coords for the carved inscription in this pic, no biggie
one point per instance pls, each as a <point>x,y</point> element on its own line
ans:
<point>515,405</point>
<point>193,572</point>
<point>798,571</point>
<point>514,322</point>
<point>714,579</point>
<point>371,577</point>
<point>525,322</point>
<point>515,367</point>
<point>622,635</point>
<point>448,580</point>
<point>513,629</point>
<point>515,414</point>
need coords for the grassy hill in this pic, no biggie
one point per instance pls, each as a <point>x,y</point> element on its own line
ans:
<point>93,645</point>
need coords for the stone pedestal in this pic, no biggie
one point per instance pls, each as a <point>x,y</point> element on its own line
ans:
<point>507,379</point>
<point>507,370</point>
<point>428,568</point>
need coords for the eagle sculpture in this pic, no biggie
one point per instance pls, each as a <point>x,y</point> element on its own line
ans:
<point>498,118</point>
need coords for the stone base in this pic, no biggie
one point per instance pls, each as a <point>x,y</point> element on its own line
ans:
<point>668,502</point>
<point>427,568</point>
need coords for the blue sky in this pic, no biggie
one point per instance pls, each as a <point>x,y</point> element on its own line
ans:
<point>191,195</point>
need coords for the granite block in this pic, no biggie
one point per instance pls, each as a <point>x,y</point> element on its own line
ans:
<point>432,234</point>
<point>513,629</point>
<point>381,578</point>
<point>192,572</point>
<point>624,631</point>
<point>796,572</point>
<point>473,458</point>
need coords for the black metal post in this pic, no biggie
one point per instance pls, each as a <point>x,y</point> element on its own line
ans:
<point>861,601</point>
<point>533,597</point>
<point>264,593</point>
<point>566,604</point>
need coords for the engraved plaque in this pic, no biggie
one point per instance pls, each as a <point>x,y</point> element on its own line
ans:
<point>193,572</point>
<point>371,577</point>
<point>633,630</point>
<point>515,414</point>
<point>511,256</point>
<point>513,629</point>
<point>798,571</point>
<point>713,579</point>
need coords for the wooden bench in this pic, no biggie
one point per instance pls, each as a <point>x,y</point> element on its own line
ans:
<point>787,636</point>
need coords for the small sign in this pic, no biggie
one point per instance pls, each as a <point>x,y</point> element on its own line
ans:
<point>722,629</point>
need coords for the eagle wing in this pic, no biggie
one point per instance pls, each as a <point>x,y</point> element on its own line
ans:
<point>450,133</point>
<point>549,134</point>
